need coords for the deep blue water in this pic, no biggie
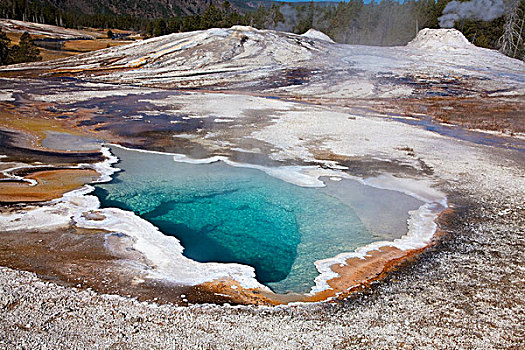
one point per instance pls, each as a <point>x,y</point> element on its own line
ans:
<point>222,213</point>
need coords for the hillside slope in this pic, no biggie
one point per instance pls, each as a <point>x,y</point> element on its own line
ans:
<point>437,63</point>
<point>135,8</point>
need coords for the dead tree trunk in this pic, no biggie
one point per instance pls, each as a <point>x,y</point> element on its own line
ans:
<point>511,41</point>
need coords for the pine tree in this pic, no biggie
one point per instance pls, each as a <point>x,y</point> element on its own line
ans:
<point>161,28</point>
<point>25,51</point>
<point>4,49</point>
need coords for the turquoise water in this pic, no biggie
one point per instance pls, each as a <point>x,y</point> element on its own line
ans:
<point>222,213</point>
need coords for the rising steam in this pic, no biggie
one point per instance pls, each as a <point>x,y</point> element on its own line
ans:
<point>290,19</point>
<point>483,10</point>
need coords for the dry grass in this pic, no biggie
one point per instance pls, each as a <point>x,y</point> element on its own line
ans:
<point>48,55</point>
<point>14,37</point>
<point>75,47</point>
<point>80,46</point>
<point>102,33</point>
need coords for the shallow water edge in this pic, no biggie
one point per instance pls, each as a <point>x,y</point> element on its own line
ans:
<point>178,269</point>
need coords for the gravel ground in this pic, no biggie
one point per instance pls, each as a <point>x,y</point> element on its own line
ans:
<point>466,292</point>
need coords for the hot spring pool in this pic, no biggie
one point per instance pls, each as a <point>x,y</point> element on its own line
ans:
<point>222,213</point>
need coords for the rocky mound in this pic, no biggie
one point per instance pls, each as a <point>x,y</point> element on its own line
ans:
<point>270,62</point>
<point>206,53</point>
<point>315,34</point>
<point>440,40</point>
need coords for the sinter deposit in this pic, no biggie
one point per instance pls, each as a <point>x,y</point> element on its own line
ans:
<point>441,40</point>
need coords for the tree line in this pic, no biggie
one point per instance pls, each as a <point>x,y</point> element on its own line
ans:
<point>385,22</point>
<point>46,12</point>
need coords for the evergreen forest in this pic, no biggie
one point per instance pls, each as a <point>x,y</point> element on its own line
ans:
<point>384,22</point>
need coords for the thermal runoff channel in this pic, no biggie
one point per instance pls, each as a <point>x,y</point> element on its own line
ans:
<point>222,213</point>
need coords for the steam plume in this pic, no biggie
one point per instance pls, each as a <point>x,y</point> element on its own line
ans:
<point>290,18</point>
<point>484,10</point>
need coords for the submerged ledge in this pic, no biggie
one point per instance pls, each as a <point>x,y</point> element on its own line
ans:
<point>338,275</point>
